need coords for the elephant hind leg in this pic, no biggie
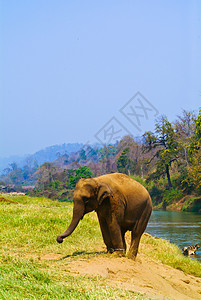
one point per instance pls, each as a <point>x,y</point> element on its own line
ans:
<point>135,240</point>
<point>137,232</point>
<point>123,231</point>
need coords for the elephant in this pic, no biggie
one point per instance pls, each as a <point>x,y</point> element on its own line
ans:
<point>121,203</point>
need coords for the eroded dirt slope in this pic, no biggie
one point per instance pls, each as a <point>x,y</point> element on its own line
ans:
<point>144,275</point>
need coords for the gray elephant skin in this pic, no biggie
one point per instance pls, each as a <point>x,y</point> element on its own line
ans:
<point>121,204</point>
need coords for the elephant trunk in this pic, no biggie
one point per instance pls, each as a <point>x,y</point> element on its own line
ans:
<point>78,213</point>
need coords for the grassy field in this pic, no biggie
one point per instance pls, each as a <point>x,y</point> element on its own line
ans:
<point>29,227</point>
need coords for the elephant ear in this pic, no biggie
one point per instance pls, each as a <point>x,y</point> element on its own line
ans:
<point>104,191</point>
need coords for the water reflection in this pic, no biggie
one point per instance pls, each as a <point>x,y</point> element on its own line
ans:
<point>181,228</point>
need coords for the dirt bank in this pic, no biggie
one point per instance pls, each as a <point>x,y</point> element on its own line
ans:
<point>145,275</point>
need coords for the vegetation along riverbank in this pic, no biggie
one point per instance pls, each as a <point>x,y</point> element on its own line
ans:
<point>167,161</point>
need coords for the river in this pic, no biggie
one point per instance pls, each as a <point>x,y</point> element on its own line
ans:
<point>180,228</point>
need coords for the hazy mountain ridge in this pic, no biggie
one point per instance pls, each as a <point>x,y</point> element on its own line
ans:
<point>50,153</point>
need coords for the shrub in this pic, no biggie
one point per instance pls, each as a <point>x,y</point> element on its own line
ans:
<point>192,204</point>
<point>139,179</point>
<point>156,194</point>
<point>171,196</point>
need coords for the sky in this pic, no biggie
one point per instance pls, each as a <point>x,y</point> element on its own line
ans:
<point>93,71</point>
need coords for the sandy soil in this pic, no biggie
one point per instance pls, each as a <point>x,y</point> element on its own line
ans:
<point>149,277</point>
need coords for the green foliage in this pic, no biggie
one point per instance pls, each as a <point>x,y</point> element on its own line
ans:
<point>139,179</point>
<point>83,154</point>
<point>109,150</point>
<point>56,184</point>
<point>170,196</point>
<point>164,141</point>
<point>106,158</point>
<point>169,148</point>
<point>122,162</point>
<point>125,164</point>
<point>20,176</point>
<point>156,194</point>
<point>193,177</point>
<point>195,142</point>
<point>198,126</point>
<point>82,172</point>
<point>169,158</point>
<point>192,204</point>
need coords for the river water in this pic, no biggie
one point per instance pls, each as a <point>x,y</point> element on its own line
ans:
<point>180,228</point>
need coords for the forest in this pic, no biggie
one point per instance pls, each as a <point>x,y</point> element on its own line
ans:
<point>166,161</point>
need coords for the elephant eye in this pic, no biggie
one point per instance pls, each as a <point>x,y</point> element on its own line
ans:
<point>85,199</point>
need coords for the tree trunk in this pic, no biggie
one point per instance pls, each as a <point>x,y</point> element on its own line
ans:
<point>141,169</point>
<point>168,176</point>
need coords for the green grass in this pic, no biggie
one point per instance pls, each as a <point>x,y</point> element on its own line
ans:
<point>26,279</point>
<point>33,224</point>
<point>28,232</point>
<point>29,229</point>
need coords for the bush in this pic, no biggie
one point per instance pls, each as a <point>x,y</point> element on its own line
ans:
<point>193,205</point>
<point>139,179</point>
<point>59,185</point>
<point>156,194</point>
<point>171,196</point>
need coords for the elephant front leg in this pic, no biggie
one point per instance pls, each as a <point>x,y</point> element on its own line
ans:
<point>105,234</point>
<point>117,235</point>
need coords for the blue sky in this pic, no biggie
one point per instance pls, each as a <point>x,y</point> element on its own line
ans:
<point>68,67</point>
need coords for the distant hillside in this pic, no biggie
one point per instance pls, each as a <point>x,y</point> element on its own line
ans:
<point>48,154</point>
<point>5,161</point>
<point>53,152</point>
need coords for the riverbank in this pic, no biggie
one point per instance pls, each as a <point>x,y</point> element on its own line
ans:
<point>188,203</point>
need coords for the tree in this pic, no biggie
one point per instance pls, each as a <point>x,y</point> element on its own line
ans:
<point>58,184</point>
<point>198,126</point>
<point>135,159</point>
<point>164,141</point>
<point>81,172</point>
<point>107,154</point>
<point>83,155</point>
<point>124,163</point>
<point>194,168</point>
<point>185,124</point>
<point>16,176</point>
<point>185,128</point>
<point>45,174</point>
<point>13,166</point>
<point>194,171</point>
